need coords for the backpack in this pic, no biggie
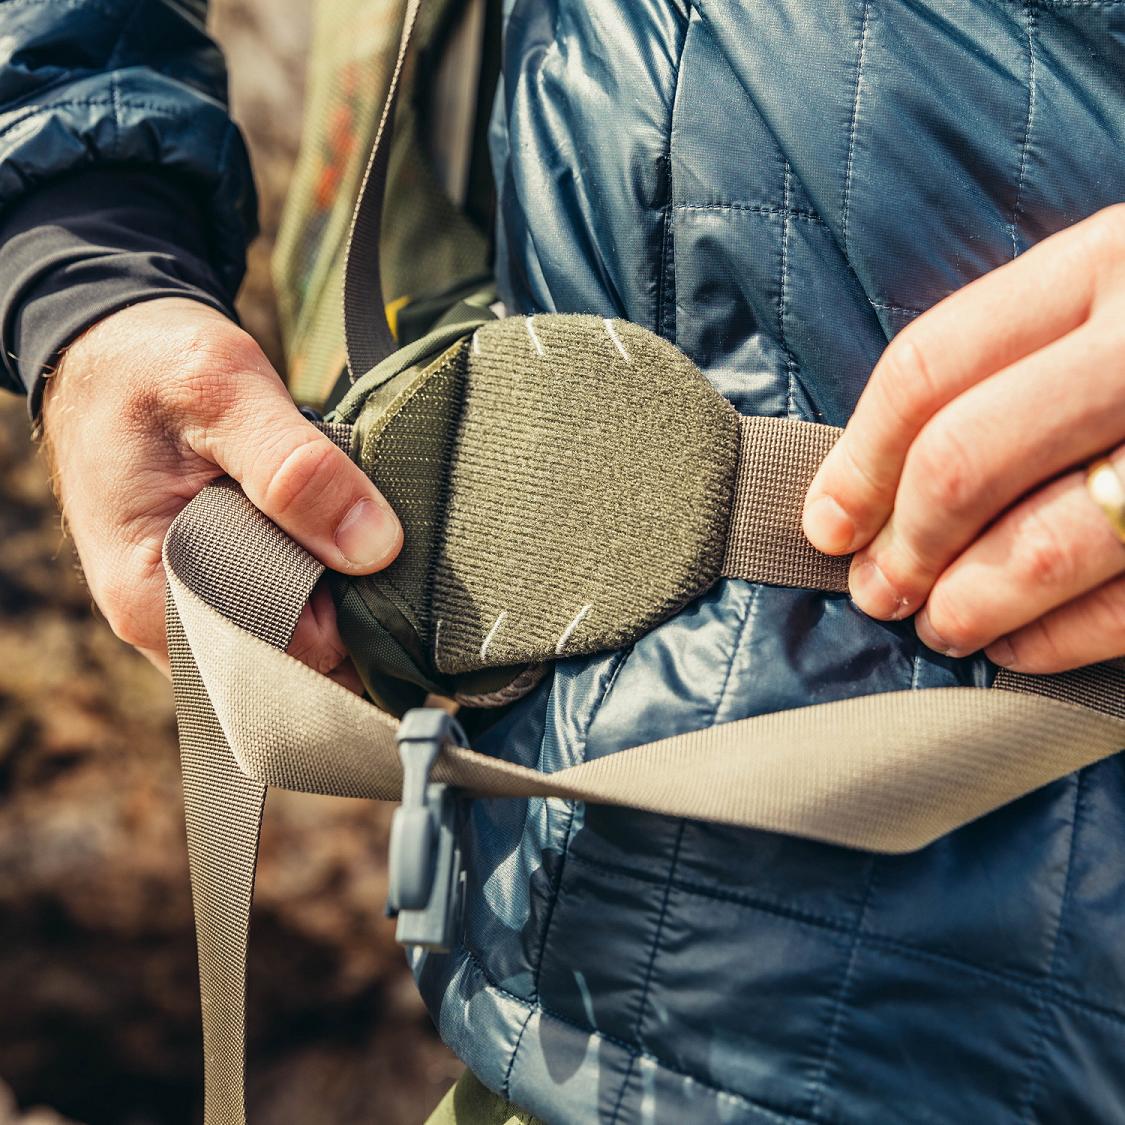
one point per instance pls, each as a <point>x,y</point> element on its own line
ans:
<point>436,242</point>
<point>535,513</point>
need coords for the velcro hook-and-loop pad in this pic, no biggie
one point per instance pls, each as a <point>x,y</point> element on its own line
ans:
<point>564,482</point>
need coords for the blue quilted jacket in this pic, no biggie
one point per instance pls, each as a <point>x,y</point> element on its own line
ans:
<point>777,186</point>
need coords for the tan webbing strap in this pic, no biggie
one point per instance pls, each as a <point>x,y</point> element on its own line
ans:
<point>886,772</point>
<point>367,335</point>
<point>222,805</point>
<point>777,461</point>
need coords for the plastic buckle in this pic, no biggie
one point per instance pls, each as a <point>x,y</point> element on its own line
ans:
<point>426,878</point>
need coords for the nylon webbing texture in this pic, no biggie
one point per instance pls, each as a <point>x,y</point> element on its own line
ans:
<point>777,460</point>
<point>222,805</point>
<point>887,772</point>
<point>367,335</point>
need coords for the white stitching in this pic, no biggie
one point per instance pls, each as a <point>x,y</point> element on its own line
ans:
<point>1017,208</point>
<point>612,333</point>
<point>568,632</point>
<point>534,338</point>
<point>476,342</point>
<point>854,123</point>
<point>783,297</point>
<point>437,636</point>
<point>494,630</point>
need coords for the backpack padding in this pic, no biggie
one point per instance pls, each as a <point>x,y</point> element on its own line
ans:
<point>565,484</point>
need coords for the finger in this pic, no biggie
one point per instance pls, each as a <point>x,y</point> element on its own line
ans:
<point>346,676</point>
<point>991,323</point>
<point>303,482</point>
<point>994,443</point>
<point>158,658</point>
<point>1085,631</point>
<point>1049,550</point>
<point>317,642</point>
<point>316,639</point>
<point>126,581</point>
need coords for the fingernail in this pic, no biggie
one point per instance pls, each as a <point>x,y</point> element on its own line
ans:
<point>874,594</point>
<point>828,526</point>
<point>1001,652</point>
<point>367,534</point>
<point>933,640</point>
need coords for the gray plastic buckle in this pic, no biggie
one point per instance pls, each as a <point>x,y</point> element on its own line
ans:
<point>426,878</point>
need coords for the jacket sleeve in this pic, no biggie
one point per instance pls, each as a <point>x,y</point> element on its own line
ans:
<point>86,245</point>
<point>95,83</point>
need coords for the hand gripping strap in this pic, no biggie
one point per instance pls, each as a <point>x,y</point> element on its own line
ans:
<point>886,772</point>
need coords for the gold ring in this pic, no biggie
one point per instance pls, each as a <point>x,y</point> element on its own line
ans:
<point>1107,490</point>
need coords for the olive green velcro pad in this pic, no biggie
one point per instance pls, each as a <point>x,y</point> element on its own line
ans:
<point>564,483</point>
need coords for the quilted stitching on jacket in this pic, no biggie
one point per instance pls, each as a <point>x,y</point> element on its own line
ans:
<point>779,189</point>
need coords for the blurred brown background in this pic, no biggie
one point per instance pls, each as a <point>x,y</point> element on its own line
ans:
<point>99,1015</point>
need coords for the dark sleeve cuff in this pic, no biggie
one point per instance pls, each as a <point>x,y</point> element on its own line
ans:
<point>84,246</point>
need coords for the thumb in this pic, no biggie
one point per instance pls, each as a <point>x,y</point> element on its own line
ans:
<point>303,481</point>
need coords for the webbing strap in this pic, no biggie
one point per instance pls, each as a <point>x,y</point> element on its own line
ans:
<point>887,772</point>
<point>367,335</point>
<point>777,460</point>
<point>222,805</point>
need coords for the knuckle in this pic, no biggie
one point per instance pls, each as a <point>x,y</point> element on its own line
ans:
<point>303,476</point>
<point>943,471</point>
<point>1106,230</point>
<point>1044,560</point>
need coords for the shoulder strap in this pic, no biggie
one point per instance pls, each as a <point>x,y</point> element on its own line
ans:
<point>367,334</point>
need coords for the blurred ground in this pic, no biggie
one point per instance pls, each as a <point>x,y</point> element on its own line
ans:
<point>99,1010</point>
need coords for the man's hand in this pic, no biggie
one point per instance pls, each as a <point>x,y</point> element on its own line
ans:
<point>959,481</point>
<point>158,400</point>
